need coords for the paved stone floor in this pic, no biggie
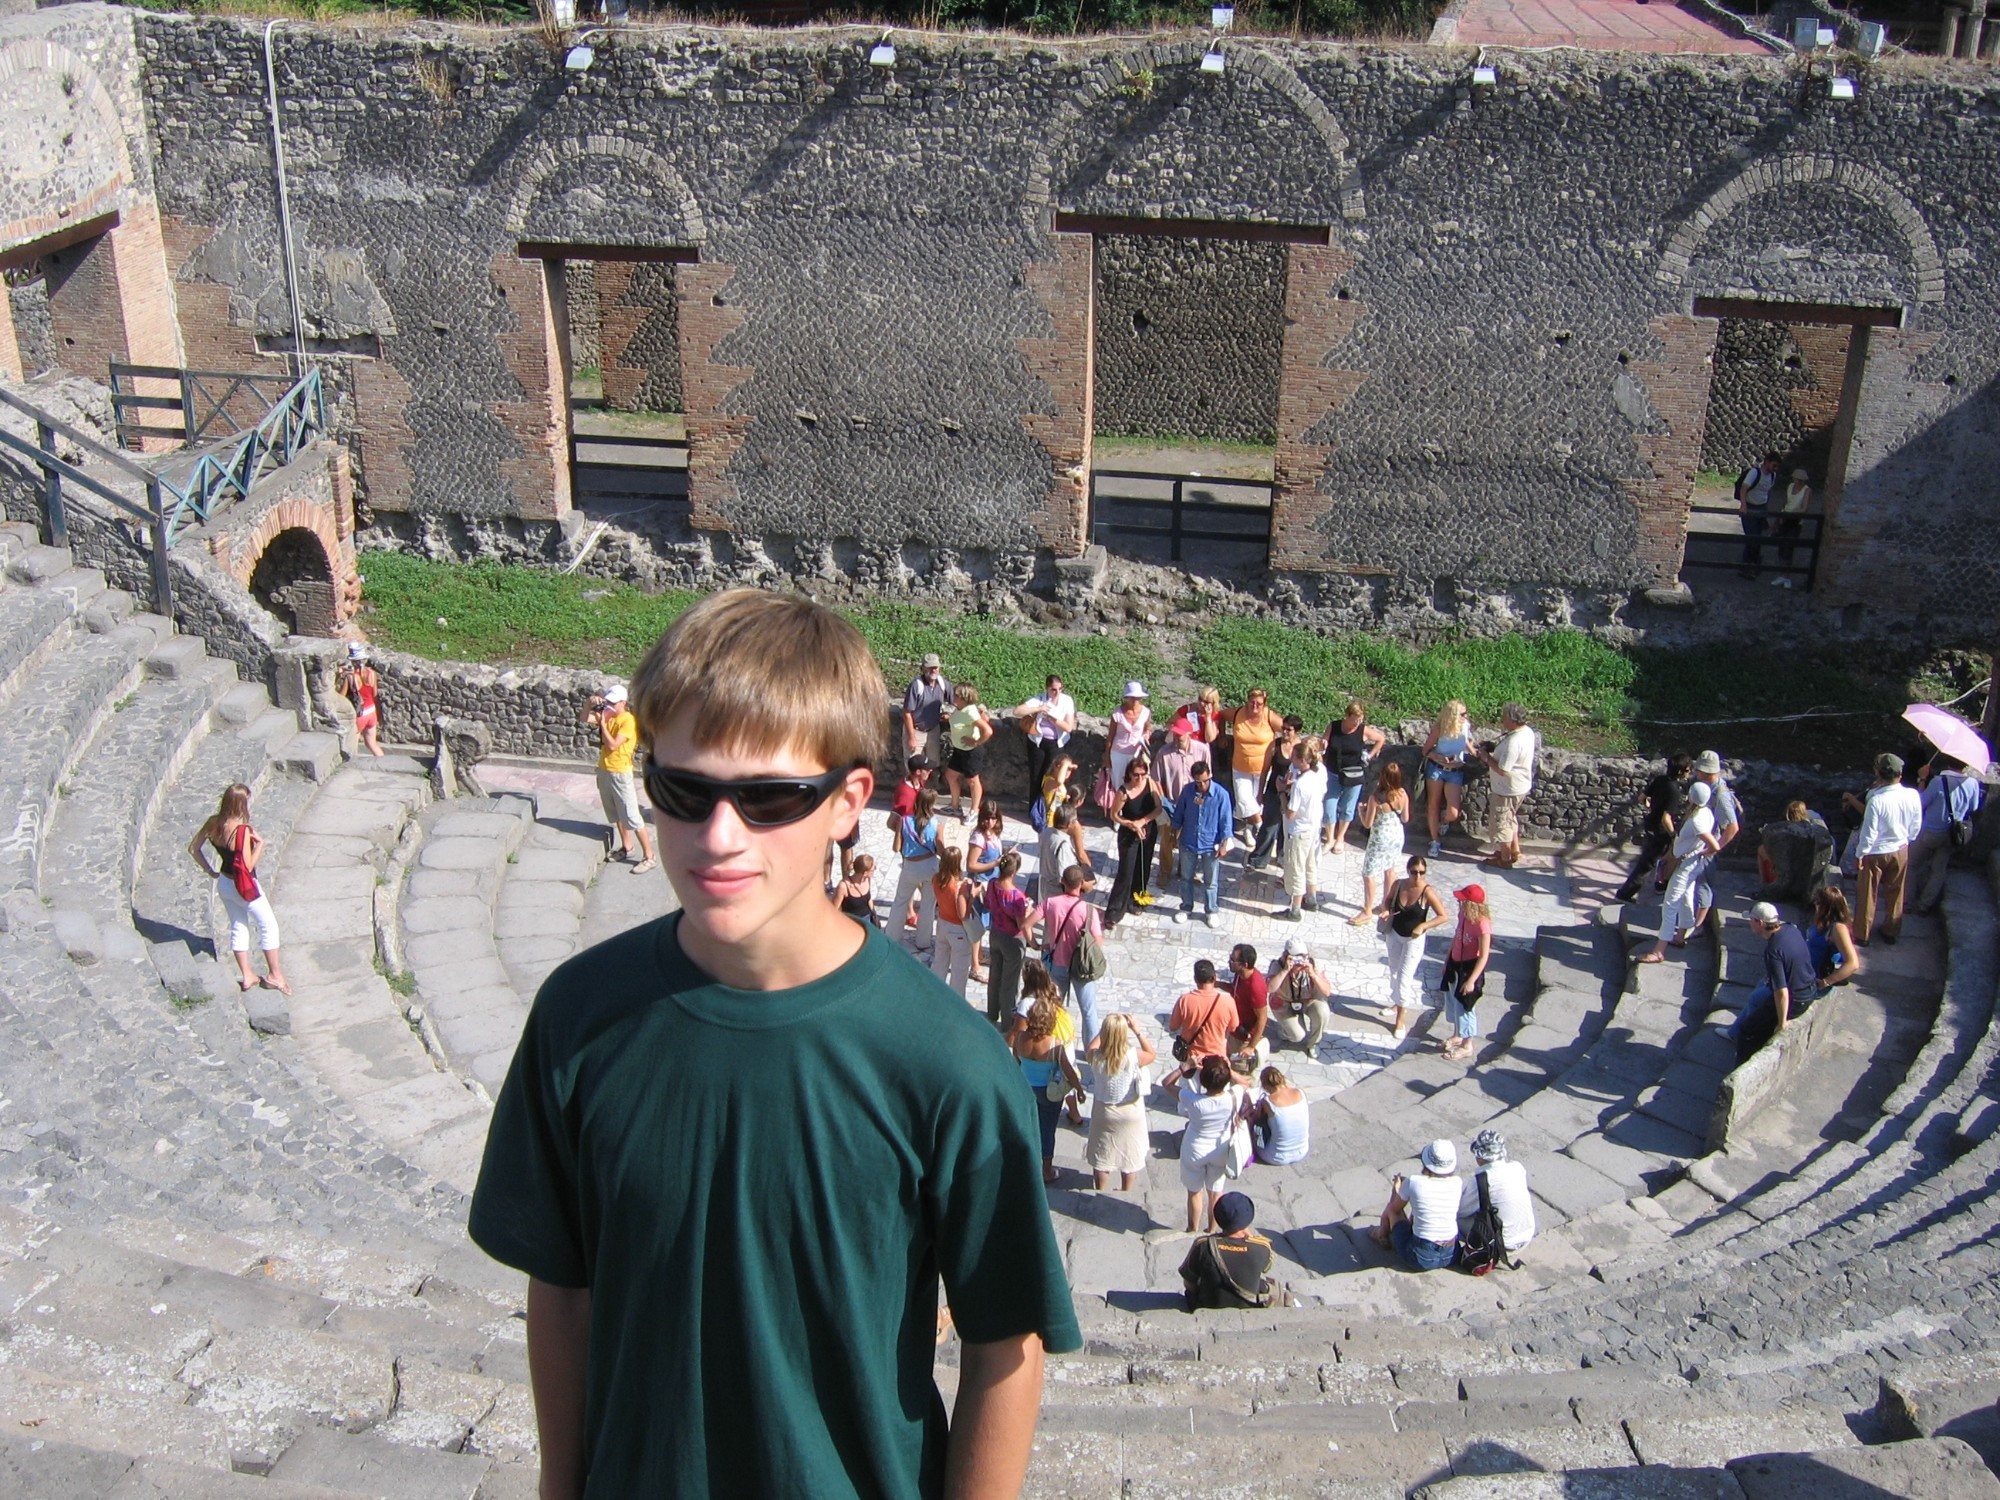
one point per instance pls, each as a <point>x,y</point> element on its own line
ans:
<point>1118,1243</point>
<point>1602,25</point>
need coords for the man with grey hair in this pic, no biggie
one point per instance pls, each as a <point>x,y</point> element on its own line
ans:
<point>1511,762</point>
<point>1722,800</point>
<point>926,701</point>
<point>1506,1190</point>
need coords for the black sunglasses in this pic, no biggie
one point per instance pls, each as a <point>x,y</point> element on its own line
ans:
<point>761,801</point>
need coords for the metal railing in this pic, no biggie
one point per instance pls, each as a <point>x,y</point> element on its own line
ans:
<point>1788,553</point>
<point>1176,517</point>
<point>202,401</point>
<point>299,418</point>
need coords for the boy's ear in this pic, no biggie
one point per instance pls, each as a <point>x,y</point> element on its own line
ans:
<point>852,800</point>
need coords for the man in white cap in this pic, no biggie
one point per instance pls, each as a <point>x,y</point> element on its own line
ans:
<point>617,739</point>
<point>926,701</point>
<point>1420,1220</point>
<point>1298,993</point>
<point>1790,982</point>
<point>1721,800</point>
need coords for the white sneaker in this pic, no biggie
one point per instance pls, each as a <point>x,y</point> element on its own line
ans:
<point>1180,919</point>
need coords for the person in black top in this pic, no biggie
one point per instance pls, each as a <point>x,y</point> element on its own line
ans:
<point>1663,798</point>
<point>1270,844</point>
<point>1232,1268</point>
<point>1135,813</point>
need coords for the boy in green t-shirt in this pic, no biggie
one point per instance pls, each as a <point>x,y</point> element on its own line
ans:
<point>739,1146</point>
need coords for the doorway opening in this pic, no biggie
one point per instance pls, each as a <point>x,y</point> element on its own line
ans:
<point>293,579</point>
<point>618,333</point>
<point>1187,348</point>
<point>1781,393</point>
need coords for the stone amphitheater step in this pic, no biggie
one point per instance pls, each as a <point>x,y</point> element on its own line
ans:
<point>412,1391</point>
<point>1952,1396</point>
<point>472,1009</point>
<point>346,1017</point>
<point>538,918</point>
<point>1926,1469</point>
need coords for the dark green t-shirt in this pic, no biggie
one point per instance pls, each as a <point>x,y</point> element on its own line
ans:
<point>761,1190</point>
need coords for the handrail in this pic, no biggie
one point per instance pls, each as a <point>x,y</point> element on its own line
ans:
<point>297,419</point>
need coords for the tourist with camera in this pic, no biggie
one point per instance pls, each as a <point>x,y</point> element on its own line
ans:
<point>1298,993</point>
<point>617,792</point>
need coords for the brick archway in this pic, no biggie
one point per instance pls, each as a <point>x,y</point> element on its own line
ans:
<point>313,548</point>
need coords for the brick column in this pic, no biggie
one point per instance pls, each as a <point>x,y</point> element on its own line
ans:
<point>713,434</point>
<point>1318,320</point>
<point>1062,360</point>
<point>110,299</point>
<point>1677,386</point>
<point>537,474</point>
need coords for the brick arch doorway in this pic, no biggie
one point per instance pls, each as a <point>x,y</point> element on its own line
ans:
<point>294,579</point>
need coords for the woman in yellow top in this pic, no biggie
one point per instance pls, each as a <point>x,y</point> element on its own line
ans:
<point>1254,729</point>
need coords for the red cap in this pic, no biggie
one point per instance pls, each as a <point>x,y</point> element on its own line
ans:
<point>1182,725</point>
<point>1470,893</point>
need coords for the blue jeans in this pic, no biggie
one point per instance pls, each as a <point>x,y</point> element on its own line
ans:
<point>1086,1001</point>
<point>1342,803</point>
<point>1047,1113</point>
<point>1209,868</point>
<point>1422,1255</point>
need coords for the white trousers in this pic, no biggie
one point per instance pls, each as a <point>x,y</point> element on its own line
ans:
<point>242,914</point>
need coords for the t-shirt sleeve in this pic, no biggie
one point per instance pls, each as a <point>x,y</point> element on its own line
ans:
<point>997,1254</point>
<point>526,1208</point>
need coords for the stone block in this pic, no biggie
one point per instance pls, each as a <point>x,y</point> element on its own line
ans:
<point>428,914</point>
<point>268,1011</point>
<point>176,657</point>
<point>268,1371</point>
<point>1590,1484</point>
<point>79,935</point>
<point>462,854</point>
<point>1920,1469</point>
<point>361,1464</point>
<point>1692,1438</point>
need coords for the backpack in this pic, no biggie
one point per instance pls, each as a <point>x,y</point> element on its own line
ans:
<point>1086,960</point>
<point>1961,828</point>
<point>1481,1247</point>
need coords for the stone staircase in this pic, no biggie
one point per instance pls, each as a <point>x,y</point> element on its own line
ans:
<point>232,1254</point>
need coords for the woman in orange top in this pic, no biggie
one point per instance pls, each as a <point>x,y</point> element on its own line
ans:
<point>1254,728</point>
<point>957,922</point>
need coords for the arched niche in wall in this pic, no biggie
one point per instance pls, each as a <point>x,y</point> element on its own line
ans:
<point>604,191</point>
<point>1149,134</point>
<point>66,149</point>
<point>1806,229</point>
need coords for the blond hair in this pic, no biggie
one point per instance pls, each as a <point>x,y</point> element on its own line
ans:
<point>1114,1045</point>
<point>1451,721</point>
<point>757,673</point>
<point>1474,911</point>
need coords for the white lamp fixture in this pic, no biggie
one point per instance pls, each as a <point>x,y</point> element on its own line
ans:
<point>1483,76</point>
<point>1840,88</point>
<point>1212,61</point>
<point>580,57</point>
<point>563,12</point>
<point>1222,17</point>
<point>883,54</point>
<point>1826,36</point>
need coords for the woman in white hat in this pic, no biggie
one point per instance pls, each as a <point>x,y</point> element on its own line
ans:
<point>358,685</point>
<point>1131,726</point>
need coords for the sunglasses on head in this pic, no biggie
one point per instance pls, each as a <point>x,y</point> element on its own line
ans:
<point>761,801</point>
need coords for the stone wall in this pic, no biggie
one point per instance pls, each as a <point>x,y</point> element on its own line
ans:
<point>1189,334</point>
<point>1777,389</point>
<point>1492,380</point>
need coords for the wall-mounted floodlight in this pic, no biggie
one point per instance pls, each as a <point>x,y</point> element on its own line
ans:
<point>883,53</point>
<point>1840,88</point>
<point>1872,36</point>
<point>562,12</point>
<point>1805,33</point>
<point>580,57</point>
<point>1222,17</point>
<point>616,10</point>
<point>1484,77</point>
<point>1826,37</point>
<point>1212,61</point>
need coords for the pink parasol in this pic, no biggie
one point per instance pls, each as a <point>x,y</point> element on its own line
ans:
<point>1951,734</point>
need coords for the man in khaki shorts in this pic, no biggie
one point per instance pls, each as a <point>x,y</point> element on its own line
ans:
<point>1512,762</point>
<point>618,737</point>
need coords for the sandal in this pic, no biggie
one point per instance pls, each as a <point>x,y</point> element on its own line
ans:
<point>281,986</point>
<point>1651,958</point>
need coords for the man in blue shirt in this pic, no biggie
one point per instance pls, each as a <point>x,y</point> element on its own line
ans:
<point>1789,986</point>
<point>1202,815</point>
<point>1950,796</point>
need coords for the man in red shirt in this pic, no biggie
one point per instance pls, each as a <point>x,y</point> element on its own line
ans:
<point>1203,1018</point>
<point>1249,1047</point>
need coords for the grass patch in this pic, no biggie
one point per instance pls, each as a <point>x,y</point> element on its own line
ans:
<point>494,613</point>
<point>1572,685</point>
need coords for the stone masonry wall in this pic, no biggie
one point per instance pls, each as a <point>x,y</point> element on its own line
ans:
<point>885,348</point>
<point>1188,337</point>
<point>1776,390</point>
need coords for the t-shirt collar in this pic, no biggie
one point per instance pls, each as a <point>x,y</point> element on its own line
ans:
<point>707,999</point>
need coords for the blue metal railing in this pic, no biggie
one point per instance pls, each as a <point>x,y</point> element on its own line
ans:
<point>298,419</point>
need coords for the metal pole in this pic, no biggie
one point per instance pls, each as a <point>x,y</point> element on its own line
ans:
<point>163,583</point>
<point>1175,551</point>
<point>187,409</point>
<point>52,500</point>
<point>284,207</point>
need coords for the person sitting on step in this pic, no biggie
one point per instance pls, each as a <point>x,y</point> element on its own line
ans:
<point>1420,1220</point>
<point>1506,1186</point>
<point>1232,1267</point>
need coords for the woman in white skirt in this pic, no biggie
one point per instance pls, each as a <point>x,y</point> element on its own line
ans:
<point>237,848</point>
<point>1121,1060</point>
<point>1412,908</point>
<point>1694,846</point>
